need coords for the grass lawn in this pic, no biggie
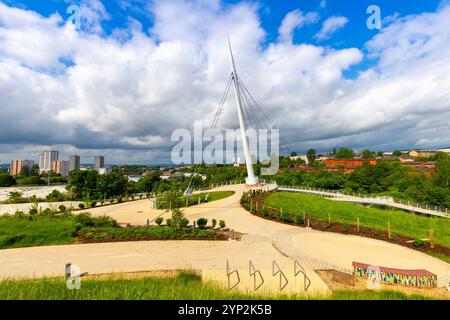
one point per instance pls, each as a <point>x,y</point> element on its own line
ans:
<point>28,231</point>
<point>216,195</point>
<point>193,199</point>
<point>16,233</point>
<point>184,286</point>
<point>402,223</point>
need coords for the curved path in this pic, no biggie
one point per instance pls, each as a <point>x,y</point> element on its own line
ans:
<point>263,242</point>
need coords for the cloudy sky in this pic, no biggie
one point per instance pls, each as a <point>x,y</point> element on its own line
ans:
<point>136,70</point>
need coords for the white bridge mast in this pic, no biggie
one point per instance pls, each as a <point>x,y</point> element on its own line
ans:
<point>251,179</point>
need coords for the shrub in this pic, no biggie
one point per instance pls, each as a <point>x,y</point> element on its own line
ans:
<point>419,243</point>
<point>34,209</point>
<point>93,204</point>
<point>119,200</point>
<point>184,223</point>
<point>169,222</point>
<point>345,228</point>
<point>286,217</point>
<point>81,206</point>
<point>299,219</point>
<point>86,220</point>
<point>202,223</point>
<point>55,196</point>
<point>159,221</point>
<point>222,224</point>
<point>214,223</point>
<point>62,208</point>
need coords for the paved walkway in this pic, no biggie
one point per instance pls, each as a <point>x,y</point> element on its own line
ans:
<point>264,241</point>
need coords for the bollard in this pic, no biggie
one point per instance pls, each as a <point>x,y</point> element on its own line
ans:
<point>68,271</point>
<point>389,230</point>
<point>432,240</point>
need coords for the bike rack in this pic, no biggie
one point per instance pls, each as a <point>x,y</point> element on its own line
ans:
<point>229,277</point>
<point>305,277</point>
<point>282,275</point>
<point>252,271</point>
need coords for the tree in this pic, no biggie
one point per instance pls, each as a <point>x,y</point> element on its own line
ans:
<point>148,183</point>
<point>82,183</point>
<point>367,154</point>
<point>174,200</point>
<point>6,180</point>
<point>380,153</point>
<point>112,184</point>
<point>311,155</point>
<point>442,173</point>
<point>345,153</point>
<point>294,154</point>
<point>397,153</point>
<point>32,181</point>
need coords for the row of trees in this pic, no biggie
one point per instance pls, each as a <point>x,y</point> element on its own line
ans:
<point>386,177</point>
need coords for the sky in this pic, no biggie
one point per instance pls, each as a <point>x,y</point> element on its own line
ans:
<point>136,70</point>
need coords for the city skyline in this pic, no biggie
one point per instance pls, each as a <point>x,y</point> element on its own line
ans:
<point>324,78</point>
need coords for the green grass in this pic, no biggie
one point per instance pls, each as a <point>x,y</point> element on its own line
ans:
<point>193,199</point>
<point>142,233</point>
<point>184,286</point>
<point>217,195</point>
<point>17,233</point>
<point>402,223</point>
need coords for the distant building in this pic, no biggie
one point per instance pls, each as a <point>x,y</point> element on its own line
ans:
<point>99,162</point>
<point>348,162</point>
<point>61,167</point>
<point>104,170</point>
<point>422,153</point>
<point>445,150</point>
<point>74,162</point>
<point>46,159</point>
<point>18,165</point>
<point>303,157</point>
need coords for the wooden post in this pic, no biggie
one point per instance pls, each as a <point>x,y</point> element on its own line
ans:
<point>304,215</point>
<point>256,205</point>
<point>199,199</point>
<point>329,218</point>
<point>357,224</point>
<point>432,240</point>
<point>187,202</point>
<point>281,211</point>
<point>389,230</point>
<point>308,223</point>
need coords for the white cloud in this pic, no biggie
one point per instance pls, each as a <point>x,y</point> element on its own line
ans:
<point>123,94</point>
<point>330,26</point>
<point>293,20</point>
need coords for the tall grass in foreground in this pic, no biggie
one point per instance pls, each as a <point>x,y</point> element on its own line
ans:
<point>184,286</point>
<point>402,223</point>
